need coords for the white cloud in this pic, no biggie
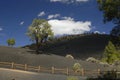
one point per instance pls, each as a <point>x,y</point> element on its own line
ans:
<point>41,14</point>
<point>69,1</point>
<point>58,0</point>
<point>97,32</point>
<point>21,23</point>
<point>81,0</point>
<point>68,18</point>
<point>53,16</point>
<point>1,29</point>
<point>61,27</point>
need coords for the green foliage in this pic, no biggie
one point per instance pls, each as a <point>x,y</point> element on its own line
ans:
<point>108,75</point>
<point>116,32</point>
<point>39,28</point>
<point>111,10</point>
<point>110,54</point>
<point>11,42</point>
<point>40,31</point>
<point>72,78</point>
<point>116,40</point>
<point>77,67</point>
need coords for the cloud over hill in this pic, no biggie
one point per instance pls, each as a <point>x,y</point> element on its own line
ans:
<point>67,26</point>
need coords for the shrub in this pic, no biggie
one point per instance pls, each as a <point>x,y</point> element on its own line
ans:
<point>105,64</point>
<point>109,75</point>
<point>72,78</point>
<point>116,63</point>
<point>77,67</point>
<point>69,56</point>
<point>92,59</point>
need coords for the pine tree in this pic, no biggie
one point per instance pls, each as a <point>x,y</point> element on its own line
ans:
<point>110,53</point>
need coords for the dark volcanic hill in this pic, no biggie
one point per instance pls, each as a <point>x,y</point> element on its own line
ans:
<point>81,47</point>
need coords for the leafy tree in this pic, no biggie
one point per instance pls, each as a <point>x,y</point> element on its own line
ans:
<point>111,54</point>
<point>111,10</point>
<point>11,42</point>
<point>40,31</point>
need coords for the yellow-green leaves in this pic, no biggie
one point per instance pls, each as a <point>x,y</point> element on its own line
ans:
<point>11,42</point>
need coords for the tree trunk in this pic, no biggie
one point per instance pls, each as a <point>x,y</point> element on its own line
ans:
<point>37,45</point>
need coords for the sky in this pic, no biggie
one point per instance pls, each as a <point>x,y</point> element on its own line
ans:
<point>65,17</point>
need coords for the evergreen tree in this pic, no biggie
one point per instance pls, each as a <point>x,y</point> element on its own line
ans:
<point>110,53</point>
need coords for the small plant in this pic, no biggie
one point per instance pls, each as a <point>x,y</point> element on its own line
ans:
<point>105,64</point>
<point>69,56</point>
<point>92,59</point>
<point>77,67</point>
<point>72,78</point>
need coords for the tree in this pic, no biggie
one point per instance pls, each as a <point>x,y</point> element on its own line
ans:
<point>110,53</point>
<point>11,42</point>
<point>111,10</point>
<point>40,31</point>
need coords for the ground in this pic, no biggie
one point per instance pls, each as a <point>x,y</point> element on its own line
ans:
<point>9,74</point>
<point>24,56</point>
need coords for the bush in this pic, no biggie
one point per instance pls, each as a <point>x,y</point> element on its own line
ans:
<point>92,59</point>
<point>116,63</point>
<point>109,75</point>
<point>72,78</point>
<point>69,56</point>
<point>105,64</point>
<point>77,67</point>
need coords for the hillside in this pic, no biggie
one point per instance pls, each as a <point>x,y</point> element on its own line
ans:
<point>81,47</point>
<point>24,56</point>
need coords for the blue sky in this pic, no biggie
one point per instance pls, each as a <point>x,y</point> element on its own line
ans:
<point>63,15</point>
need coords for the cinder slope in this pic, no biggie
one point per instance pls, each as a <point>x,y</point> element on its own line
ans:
<point>80,47</point>
<point>8,74</point>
